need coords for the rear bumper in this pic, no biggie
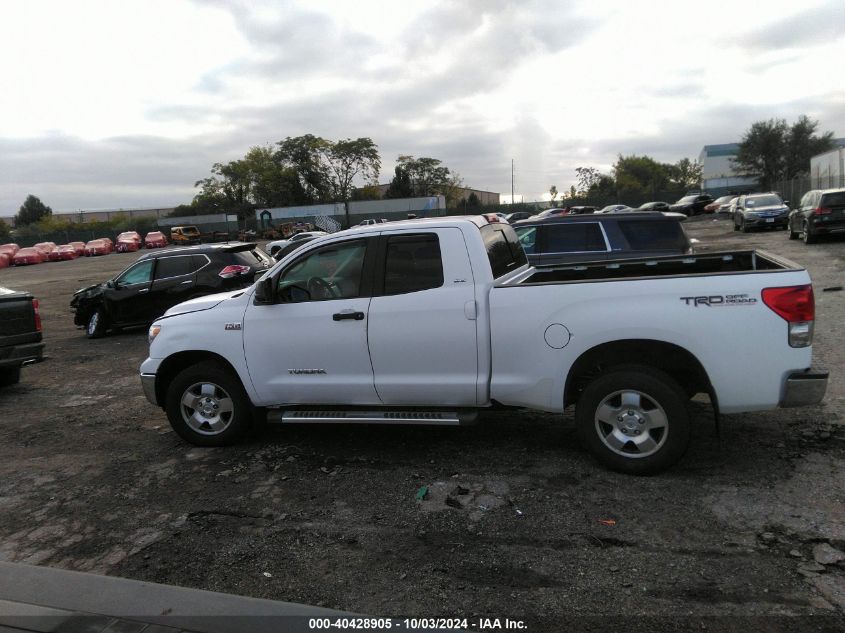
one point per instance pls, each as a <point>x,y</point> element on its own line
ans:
<point>17,355</point>
<point>804,388</point>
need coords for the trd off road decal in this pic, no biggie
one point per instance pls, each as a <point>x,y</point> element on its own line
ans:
<point>714,301</point>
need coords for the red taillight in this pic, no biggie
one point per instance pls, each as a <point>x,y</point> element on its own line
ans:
<point>37,315</point>
<point>793,303</point>
<point>234,270</point>
<point>821,211</point>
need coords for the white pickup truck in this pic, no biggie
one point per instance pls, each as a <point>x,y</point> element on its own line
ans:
<point>429,321</point>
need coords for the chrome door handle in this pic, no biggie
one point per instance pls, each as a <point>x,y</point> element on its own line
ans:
<point>190,281</point>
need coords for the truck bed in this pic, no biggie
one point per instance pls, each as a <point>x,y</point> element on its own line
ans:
<point>719,263</point>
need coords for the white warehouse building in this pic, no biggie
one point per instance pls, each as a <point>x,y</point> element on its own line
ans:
<point>718,176</point>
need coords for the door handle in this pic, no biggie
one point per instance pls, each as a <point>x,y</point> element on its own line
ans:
<point>348,315</point>
<point>144,290</point>
<point>190,281</point>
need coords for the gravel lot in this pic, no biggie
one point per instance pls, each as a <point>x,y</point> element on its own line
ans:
<point>92,478</point>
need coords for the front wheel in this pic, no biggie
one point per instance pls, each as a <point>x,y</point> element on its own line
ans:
<point>634,420</point>
<point>207,406</point>
<point>809,236</point>
<point>96,327</point>
<point>10,376</point>
<point>744,227</point>
<point>792,234</point>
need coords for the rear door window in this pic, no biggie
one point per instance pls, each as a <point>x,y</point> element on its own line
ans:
<point>650,235</point>
<point>168,267</point>
<point>528,238</point>
<point>574,237</point>
<point>412,263</point>
<point>503,249</point>
<point>836,199</point>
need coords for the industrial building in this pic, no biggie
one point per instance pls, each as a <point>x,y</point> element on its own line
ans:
<point>718,176</point>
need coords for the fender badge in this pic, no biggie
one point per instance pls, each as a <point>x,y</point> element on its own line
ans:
<point>232,326</point>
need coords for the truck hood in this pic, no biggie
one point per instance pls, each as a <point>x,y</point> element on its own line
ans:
<point>203,303</point>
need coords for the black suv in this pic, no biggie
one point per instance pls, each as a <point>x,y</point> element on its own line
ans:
<point>821,212</point>
<point>581,238</point>
<point>692,204</point>
<point>159,280</point>
<point>760,211</point>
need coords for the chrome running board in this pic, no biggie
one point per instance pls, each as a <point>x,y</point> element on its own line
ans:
<point>387,416</point>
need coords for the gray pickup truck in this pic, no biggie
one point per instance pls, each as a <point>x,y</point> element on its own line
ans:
<point>20,334</point>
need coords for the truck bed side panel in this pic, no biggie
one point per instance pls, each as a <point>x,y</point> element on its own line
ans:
<point>742,345</point>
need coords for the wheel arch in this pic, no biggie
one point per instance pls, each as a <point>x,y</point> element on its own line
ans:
<point>670,358</point>
<point>175,363</point>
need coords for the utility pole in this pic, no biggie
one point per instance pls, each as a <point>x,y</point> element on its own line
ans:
<point>511,180</point>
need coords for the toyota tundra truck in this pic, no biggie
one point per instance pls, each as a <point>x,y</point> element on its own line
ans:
<point>430,321</point>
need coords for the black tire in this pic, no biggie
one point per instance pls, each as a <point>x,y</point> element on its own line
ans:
<point>808,235</point>
<point>10,376</point>
<point>792,234</point>
<point>97,324</point>
<point>736,226</point>
<point>228,416</point>
<point>744,227</point>
<point>653,448</point>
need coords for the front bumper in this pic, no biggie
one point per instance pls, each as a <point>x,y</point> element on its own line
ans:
<point>763,222</point>
<point>148,382</point>
<point>804,387</point>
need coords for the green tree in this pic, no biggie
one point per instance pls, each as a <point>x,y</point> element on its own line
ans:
<point>5,231</point>
<point>587,178</point>
<point>348,159</point>
<point>31,211</point>
<point>772,150</point>
<point>305,156</point>
<point>802,143</point>
<point>686,173</point>
<point>428,176</point>
<point>473,201</point>
<point>400,186</point>
<point>640,175</point>
<point>552,194</point>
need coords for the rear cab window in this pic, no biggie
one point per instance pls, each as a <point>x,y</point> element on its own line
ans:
<point>654,235</point>
<point>412,263</point>
<point>503,249</point>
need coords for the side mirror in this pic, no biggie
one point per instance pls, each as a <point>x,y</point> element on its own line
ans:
<point>294,294</point>
<point>264,291</point>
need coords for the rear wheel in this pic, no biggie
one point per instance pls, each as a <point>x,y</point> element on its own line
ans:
<point>96,326</point>
<point>808,235</point>
<point>207,406</point>
<point>744,227</point>
<point>634,420</point>
<point>792,234</point>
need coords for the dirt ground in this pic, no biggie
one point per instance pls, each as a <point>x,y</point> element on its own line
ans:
<point>92,479</point>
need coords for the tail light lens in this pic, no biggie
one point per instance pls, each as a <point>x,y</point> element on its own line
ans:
<point>821,211</point>
<point>37,315</point>
<point>796,305</point>
<point>234,270</point>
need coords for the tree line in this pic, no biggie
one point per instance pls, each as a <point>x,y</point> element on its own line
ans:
<point>308,169</point>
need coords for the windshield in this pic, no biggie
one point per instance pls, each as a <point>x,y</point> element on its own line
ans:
<point>763,201</point>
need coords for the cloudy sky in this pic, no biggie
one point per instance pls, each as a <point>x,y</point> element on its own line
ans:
<point>125,104</point>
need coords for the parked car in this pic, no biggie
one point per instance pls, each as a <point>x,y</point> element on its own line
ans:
<point>614,208</point>
<point>131,235</point>
<point>273,247</point>
<point>10,249</point>
<point>5,259</point>
<point>28,256</point>
<point>760,211</point>
<point>654,206</point>
<point>67,252</point>
<point>127,245</point>
<point>820,212</point>
<point>551,212</point>
<point>292,246</point>
<point>79,247</point>
<point>161,279</point>
<point>372,221</point>
<point>516,216</point>
<point>732,206</point>
<point>155,239</point>
<point>627,342</point>
<point>185,235</point>
<point>719,205</point>
<point>108,242</point>
<point>45,247</point>
<point>97,247</point>
<point>54,256</point>
<point>20,336</point>
<point>692,204</point>
<point>574,238</point>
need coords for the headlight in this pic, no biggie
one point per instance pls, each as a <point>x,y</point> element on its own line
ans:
<point>154,330</point>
